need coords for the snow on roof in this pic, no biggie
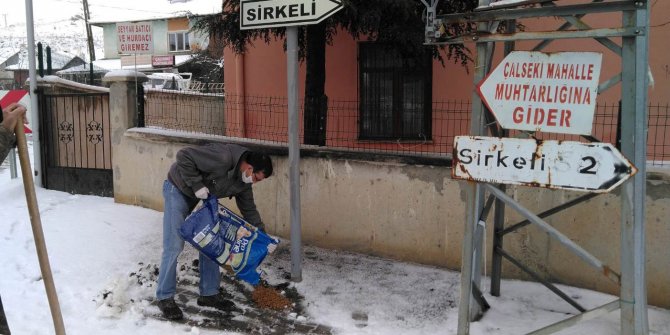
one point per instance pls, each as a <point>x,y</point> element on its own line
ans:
<point>103,11</point>
<point>5,54</point>
<point>82,68</point>
<point>58,60</point>
<point>181,59</point>
<point>56,79</point>
<point>108,64</point>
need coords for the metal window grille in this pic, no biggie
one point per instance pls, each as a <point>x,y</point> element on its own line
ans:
<point>395,94</point>
<point>263,118</point>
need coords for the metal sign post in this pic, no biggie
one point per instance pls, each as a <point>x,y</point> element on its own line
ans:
<point>596,167</point>
<point>294,152</point>
<point>34,111</point>
<point>473,242</point>
<point>258,14</point>
<point>635,62</point>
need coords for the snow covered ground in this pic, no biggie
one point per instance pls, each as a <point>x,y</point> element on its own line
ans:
<point>95,245</point>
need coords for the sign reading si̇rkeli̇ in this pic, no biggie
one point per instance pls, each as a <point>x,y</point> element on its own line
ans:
<point>594,167</point>
<point>536,91</point>
<point>283,13</point>
<point>134,38</point>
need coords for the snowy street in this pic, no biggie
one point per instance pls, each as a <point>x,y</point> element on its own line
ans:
<point>96,247</point>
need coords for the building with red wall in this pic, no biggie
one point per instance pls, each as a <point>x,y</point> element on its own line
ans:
<point>261,72</point>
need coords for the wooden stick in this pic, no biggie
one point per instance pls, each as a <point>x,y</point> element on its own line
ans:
<point>36,223</point>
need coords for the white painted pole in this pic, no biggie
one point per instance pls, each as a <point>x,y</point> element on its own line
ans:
<point>12,164</point>
<point>34,112</point>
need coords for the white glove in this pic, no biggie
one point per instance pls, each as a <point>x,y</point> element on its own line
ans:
<point>202,193</point>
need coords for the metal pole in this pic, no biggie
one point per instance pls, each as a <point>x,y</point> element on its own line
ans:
<point>467,311</point>
<point>634,145</point>
<point>499,213</point>
<point>34,112</point>
<point>89,34</point>
<point>294,151</point>
<point>12,164</point>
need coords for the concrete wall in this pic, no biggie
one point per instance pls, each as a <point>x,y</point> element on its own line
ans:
<point>189,111</point>
<point>413,212</point>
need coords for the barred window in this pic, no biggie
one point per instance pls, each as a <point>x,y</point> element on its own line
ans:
<point>395,94</point>
<point>179,41</point>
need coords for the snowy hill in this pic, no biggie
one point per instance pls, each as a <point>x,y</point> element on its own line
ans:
<point>67,36</point>
<point>60,23</point>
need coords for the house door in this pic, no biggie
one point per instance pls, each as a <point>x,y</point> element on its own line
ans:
<point>75,143</point>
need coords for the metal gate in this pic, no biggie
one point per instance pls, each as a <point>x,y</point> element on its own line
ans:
<point>75,143</point>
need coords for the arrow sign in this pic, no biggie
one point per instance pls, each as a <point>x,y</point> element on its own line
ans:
<point>536,91</point>
<point>591,167</point>
<point>283,13</point>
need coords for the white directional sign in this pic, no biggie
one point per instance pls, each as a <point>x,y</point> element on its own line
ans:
<point>552,92</point>
<point>593,167</point>
<point>283,13</point>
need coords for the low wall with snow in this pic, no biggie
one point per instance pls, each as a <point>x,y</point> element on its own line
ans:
<point>413,212</point>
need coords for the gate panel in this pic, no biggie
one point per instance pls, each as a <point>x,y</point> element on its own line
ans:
<point>76,145</point>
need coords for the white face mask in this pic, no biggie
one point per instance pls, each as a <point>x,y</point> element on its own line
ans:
<point>247,180</point>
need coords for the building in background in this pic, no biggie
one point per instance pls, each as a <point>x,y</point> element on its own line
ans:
<point>83,74</point>
<point>174,45</point>
<point>14,68</point>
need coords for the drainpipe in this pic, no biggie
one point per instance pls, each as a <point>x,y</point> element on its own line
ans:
<point>239,80</point>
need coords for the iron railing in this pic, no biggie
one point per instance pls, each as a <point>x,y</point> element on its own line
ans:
<point>264,118</point>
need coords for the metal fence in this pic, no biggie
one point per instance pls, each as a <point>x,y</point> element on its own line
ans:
<point>264,119</point>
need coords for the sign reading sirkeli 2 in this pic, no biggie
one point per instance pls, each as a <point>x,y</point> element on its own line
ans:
<point>591,167</point>
<point>283,13</point>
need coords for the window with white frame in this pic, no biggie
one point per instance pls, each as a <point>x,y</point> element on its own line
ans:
<point>179,41</point>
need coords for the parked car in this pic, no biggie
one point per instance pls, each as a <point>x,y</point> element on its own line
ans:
<point>169,81</point>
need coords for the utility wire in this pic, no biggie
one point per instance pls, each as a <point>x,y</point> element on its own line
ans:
<point>114,7</point>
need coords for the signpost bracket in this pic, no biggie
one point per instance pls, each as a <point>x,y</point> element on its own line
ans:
<point>588,315</point>
<point>549,212</point>
<point>541,280</point>
<point>557,235</point>
<point>575,20</point>
<point>633,32</point>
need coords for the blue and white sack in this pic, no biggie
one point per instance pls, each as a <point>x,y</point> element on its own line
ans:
<point>227,239</point>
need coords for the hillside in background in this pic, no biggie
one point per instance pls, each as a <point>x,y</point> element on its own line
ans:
<point>67,35</point>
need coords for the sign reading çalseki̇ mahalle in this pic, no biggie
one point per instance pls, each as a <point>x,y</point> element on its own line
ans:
<point>551,92</point>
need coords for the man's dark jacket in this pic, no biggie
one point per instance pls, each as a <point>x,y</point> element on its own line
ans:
<point>216,166</point>
<point>7,140</point>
